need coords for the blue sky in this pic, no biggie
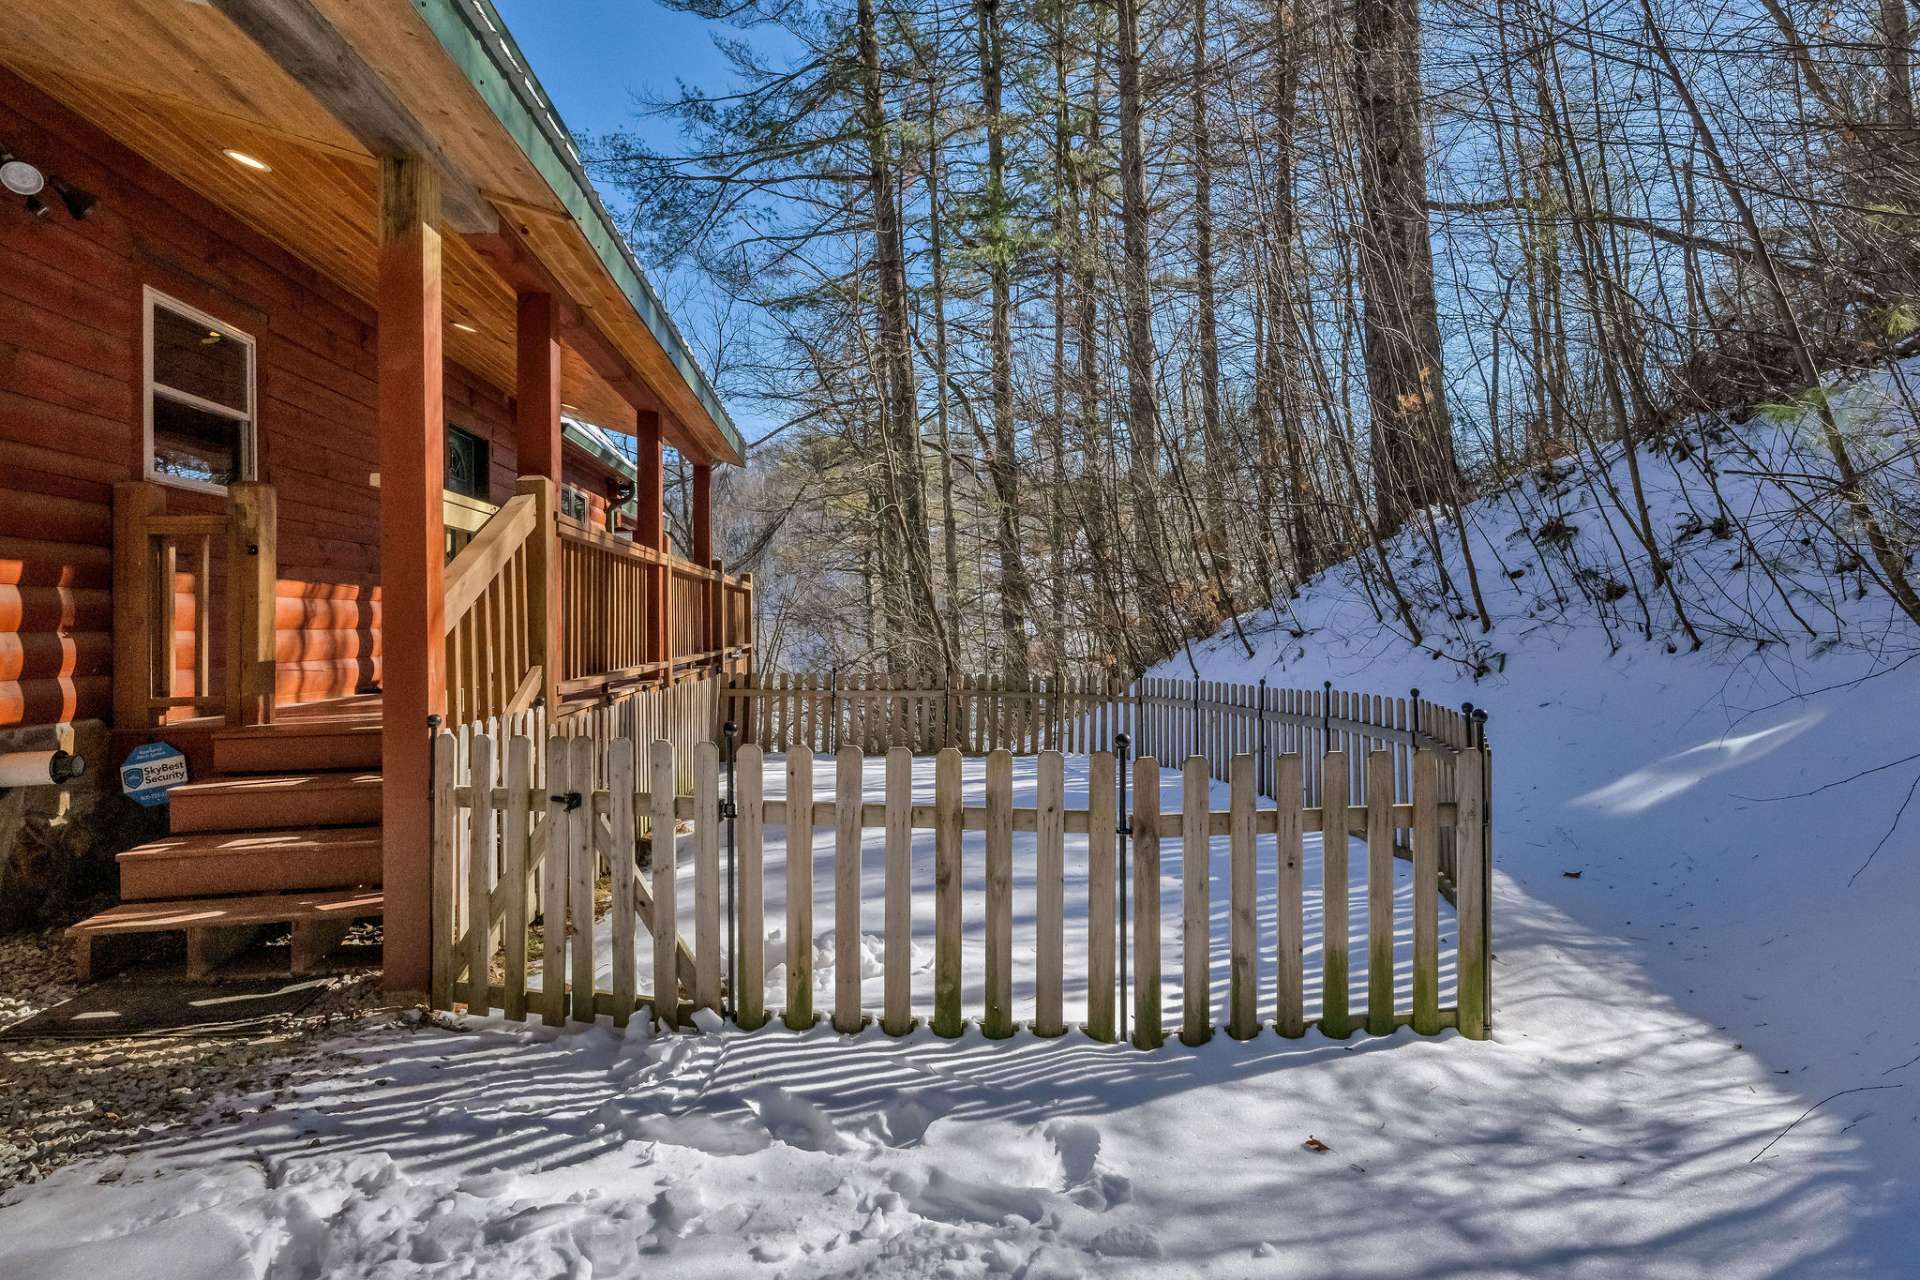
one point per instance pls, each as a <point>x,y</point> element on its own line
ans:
<point>592,55</point>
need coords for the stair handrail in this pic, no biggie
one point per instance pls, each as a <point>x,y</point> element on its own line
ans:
<point>497,621</point>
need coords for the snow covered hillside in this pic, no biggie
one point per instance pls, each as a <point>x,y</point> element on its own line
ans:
<point>1705,1063</point>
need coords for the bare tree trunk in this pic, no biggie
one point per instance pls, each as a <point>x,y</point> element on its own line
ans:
<point>949,528</point>
<point>1003,466</point>
<point>1203,271</point>
<point>900,415</point>
<point>1057,428</point>
<point>1277,361</point>
<point>1143,425</point>
<point>1109,631</point>
<point>1412,436</point>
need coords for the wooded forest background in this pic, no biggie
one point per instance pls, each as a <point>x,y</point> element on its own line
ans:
<point>1090,326</point>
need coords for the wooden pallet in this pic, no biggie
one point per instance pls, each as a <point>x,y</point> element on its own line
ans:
<point>217,929</point>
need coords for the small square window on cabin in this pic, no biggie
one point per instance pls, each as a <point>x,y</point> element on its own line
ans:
<point>200,397</point>
<point>467,463</point>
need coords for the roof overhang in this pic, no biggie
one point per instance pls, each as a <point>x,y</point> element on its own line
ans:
<point>477,40</point>
<point>319,88</point>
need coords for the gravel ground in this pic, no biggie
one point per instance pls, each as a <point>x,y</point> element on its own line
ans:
<point>64,1099</point>
<point>36,972</point>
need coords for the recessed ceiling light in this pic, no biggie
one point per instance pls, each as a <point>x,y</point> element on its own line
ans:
<point>464,327</point>
<point>246,161</point>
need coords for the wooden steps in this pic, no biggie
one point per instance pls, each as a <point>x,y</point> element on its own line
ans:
<point>293,808</point>
<point>276,802</point>
<point>219,928</point>
<point>229,862</point>
<point>302,745</point>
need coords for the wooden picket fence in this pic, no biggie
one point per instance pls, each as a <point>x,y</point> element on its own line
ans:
<point>526,824</point>
<point>781,710</point>
<point>681,714</point>
<point>1167,718</point>
<point>1170,719</point>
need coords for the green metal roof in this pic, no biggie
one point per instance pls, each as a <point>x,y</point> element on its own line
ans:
<point>476,38</point>
<point>597,444</point>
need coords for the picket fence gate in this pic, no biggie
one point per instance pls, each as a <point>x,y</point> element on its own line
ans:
<point>526,832</point>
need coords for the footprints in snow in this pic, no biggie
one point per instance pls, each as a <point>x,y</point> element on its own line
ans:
<point>1086,1181</point>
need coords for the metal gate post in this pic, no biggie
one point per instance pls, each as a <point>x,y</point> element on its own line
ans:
<point>1326,714</point>
<point>1194,725</point>
<point>833,705</point>
<point>729,811</point>
<point>1125,831</point>
<point>1486,856</point>
<point>1135,718</point>
<point>440,915</point>
<point>1262,784</point>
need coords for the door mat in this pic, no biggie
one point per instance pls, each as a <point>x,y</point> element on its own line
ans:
<point>184,1009</point>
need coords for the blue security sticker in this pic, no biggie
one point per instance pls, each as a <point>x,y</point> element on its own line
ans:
<point>150,771</point>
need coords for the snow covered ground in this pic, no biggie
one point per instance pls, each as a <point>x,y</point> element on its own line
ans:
<point>1706,1058</point>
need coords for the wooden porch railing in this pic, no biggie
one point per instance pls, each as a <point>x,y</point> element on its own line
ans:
<point>498,621</point>
<point>626,616</point>
<point>501,619</point>
<point>158,600</point>
<point>463,517</point>
<point>635,616</point>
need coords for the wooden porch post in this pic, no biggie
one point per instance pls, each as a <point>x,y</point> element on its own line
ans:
<point>134,502</point>
<point>716,629</point>
<point>252,573</point>
<point>537,387</point>
<point>544,571</point>
<point>412,550</point>
<point>702,512</point>
<point>537,440</point>
<point>702,521</point>
<point>650,528</point>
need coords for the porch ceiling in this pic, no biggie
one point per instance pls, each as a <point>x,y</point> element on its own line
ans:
<point>178,82</point>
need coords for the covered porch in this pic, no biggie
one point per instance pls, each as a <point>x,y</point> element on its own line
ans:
<point>301,654</point>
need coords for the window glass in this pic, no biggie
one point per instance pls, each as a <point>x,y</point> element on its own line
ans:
<point>199,398</point>
<point>199,360</point>
<point>466,463</point>
<point>194,445</point>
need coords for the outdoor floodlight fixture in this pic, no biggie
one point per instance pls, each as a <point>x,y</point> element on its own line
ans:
<point>79,203</point>
<point>24,179</point>
<point>20,177</point>
<point>29,180</point>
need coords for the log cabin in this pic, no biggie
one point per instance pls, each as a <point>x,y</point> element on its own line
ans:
<point>335,407</point>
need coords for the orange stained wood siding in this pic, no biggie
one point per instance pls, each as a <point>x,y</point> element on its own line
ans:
<point>70,422</point>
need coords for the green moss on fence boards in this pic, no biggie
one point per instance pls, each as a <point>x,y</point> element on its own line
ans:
<point>1335,1021</point>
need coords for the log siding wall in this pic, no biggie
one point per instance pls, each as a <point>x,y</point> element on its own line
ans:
<point>71,410</point>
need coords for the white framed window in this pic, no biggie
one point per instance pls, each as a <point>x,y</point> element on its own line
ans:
<point>199,396</point>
